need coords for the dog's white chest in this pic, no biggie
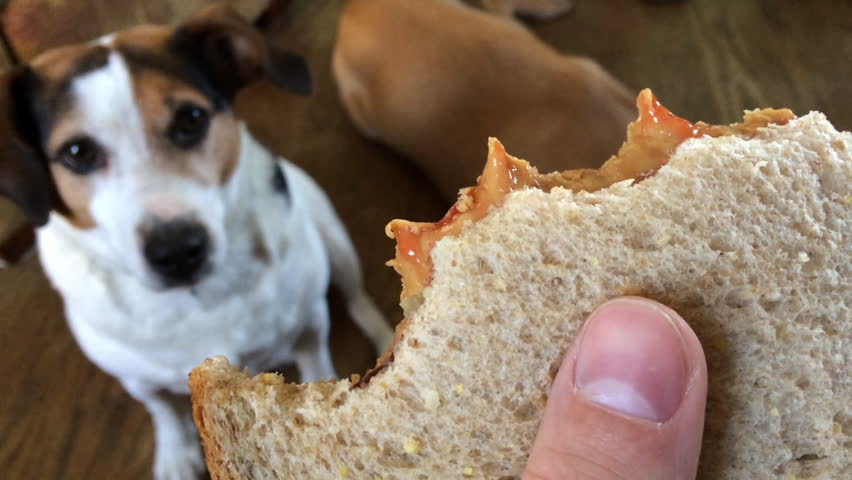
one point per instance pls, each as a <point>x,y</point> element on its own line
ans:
<point>163,336</point>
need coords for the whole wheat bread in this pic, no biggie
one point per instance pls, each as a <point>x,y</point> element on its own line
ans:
<point>746,235</point>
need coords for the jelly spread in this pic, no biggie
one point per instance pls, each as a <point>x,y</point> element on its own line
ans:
<point>651,140</point>
<point>414,241</point>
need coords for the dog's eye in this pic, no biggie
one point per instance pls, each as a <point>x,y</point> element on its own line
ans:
<point>81,155</point>
<point>189,126</point>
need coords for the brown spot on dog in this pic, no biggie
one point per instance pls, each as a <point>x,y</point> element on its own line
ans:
<point>148,37</point>
<point>58,121</point>
<point>52,75</point>
<point>231,144</point>
<point>76,191</point>
<point>258,248</point>
<point>60,65</point>
<point>213,161</point>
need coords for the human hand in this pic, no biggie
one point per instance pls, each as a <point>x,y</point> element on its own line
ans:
<point>628,401</point>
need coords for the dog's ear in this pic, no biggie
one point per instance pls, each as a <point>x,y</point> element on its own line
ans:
<point>24,174</point>
<point>274,10</point>
<point>231,53</point>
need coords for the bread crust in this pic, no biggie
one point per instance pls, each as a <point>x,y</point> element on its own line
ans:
<point>201,387</point>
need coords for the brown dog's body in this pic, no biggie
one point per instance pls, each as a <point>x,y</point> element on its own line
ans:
<point>435,78</point>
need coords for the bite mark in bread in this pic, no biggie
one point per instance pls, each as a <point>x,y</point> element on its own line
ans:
<point>651,140</point>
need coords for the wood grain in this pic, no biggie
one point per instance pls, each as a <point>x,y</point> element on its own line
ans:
<point>60,417</point>
<point>32,26</point>
<point>711,60</point>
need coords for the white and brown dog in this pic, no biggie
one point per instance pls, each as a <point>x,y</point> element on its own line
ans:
<point>171,234</point>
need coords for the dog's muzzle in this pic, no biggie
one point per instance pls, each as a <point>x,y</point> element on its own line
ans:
<point>177,251</point>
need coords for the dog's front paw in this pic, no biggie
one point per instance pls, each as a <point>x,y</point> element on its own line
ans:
<point>182,463</point>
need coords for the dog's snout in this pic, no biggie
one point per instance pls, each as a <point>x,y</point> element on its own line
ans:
<point>177,251</point>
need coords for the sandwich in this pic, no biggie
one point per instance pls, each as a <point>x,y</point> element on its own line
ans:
<point>744,229</point>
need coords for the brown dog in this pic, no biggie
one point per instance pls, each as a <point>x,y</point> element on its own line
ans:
<point>435,78</point>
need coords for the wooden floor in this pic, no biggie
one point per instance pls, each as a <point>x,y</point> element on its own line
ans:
<point>707,60</point>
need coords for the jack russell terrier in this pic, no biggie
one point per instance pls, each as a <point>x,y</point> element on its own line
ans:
<point>170,233</point>
<point>434,79</point>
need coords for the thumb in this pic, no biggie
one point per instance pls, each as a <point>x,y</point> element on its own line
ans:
<point>628,401</point>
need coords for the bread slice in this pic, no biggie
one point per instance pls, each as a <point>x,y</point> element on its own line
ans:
<point>746,232</point>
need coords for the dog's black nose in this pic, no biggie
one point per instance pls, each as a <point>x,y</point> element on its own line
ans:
<point>177,251</point>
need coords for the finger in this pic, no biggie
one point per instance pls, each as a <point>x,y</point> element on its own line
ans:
<point>628,401</point>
